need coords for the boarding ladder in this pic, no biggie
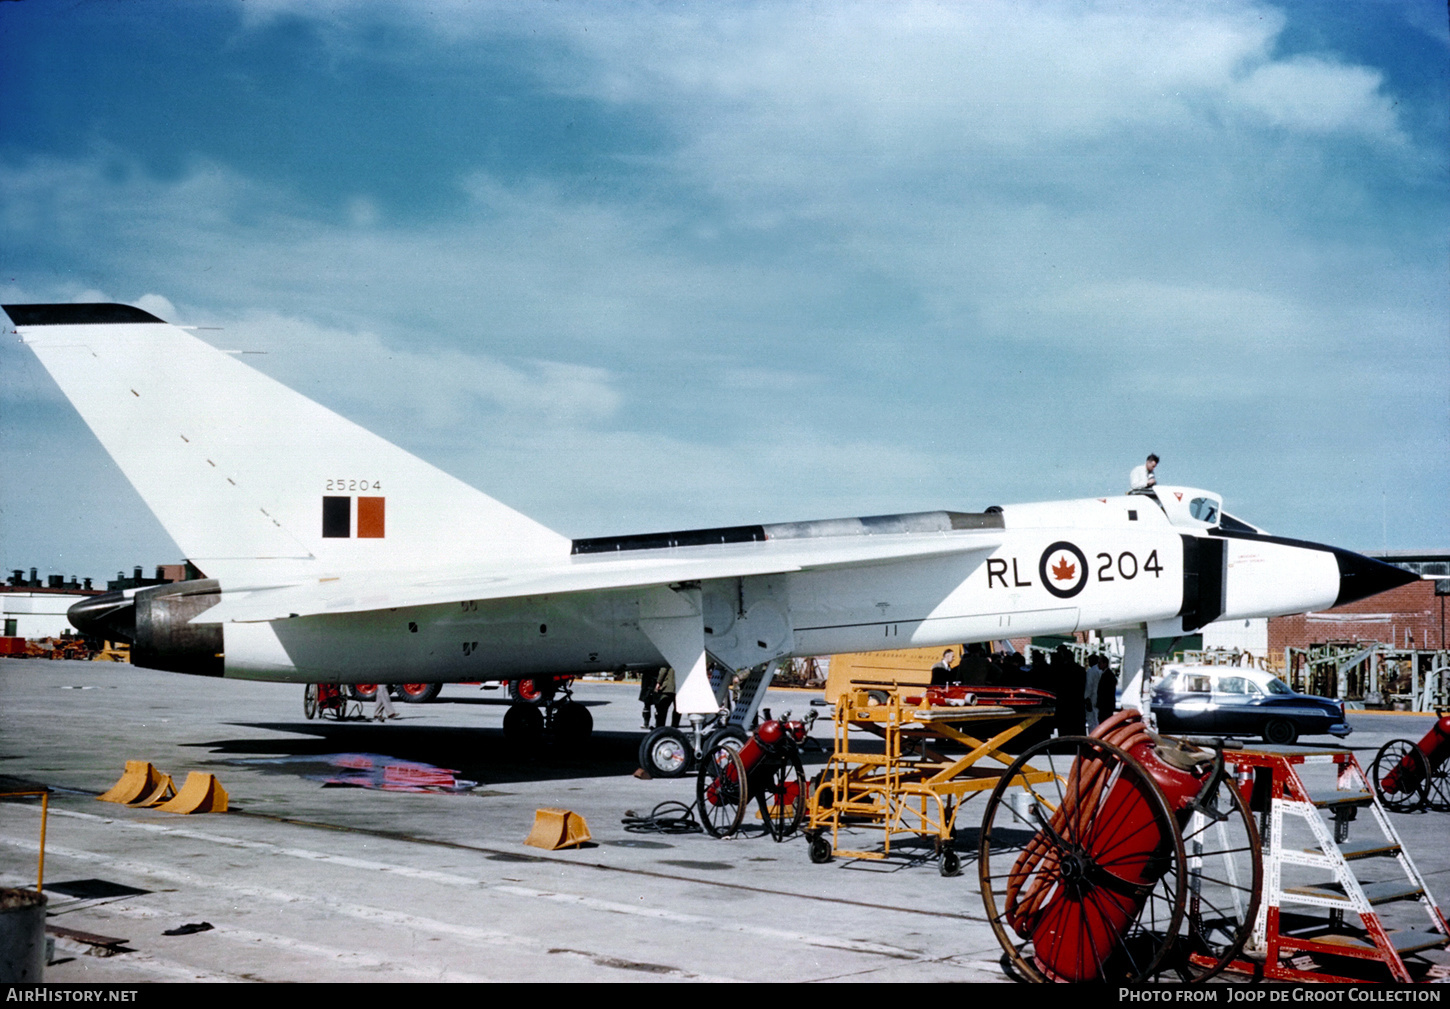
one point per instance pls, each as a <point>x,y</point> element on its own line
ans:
<point>752,694</point>
<point>1313,875</point>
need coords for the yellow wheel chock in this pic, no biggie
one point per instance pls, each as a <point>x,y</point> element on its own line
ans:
<point>557,828</point>
<point>202,793</point>
<point>140,780</point>
<point>164,790</point>
<point>143,786</point>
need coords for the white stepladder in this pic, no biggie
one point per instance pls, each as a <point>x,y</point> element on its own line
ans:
<point>1314,875</point>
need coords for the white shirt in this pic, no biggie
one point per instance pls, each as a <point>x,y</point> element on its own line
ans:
<point>1139,478</point>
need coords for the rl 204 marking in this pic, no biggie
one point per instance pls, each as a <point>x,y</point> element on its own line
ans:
<point>1063,569</point>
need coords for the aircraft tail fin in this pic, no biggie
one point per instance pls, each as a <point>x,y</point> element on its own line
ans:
<point>256,482</point>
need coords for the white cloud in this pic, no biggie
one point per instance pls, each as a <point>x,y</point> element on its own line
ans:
<point>875,87</point>
<point>1142,312</point>
<point>850,79</point>
<point>1318,96</point>
<point>439,388</point>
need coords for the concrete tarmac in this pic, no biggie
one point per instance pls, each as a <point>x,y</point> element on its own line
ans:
<point>310,877</point>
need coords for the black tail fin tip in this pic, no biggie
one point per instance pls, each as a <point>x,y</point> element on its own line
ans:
<point>85,313</point>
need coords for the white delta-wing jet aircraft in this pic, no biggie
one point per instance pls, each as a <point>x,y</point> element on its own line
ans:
<point>333,556</point>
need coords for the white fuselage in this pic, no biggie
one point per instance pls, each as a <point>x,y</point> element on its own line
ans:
<point>1056,568</point>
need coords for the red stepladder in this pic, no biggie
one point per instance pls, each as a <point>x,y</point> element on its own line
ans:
<point>1333,910</point>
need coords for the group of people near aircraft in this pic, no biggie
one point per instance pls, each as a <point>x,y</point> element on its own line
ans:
<point>657,696</point>
<point>1085,696</point>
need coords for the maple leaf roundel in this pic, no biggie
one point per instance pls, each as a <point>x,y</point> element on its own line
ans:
<point>1063,569</point>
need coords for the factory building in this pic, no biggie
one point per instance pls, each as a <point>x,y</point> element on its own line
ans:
<point>30,609</point>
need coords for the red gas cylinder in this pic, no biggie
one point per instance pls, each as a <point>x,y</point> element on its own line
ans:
<point>765,739</point>
<point>1435,744</point>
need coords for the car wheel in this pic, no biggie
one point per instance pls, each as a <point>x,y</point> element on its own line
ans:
<point>1280,732</point>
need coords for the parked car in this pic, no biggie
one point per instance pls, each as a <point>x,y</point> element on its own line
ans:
<point>1234,701</point>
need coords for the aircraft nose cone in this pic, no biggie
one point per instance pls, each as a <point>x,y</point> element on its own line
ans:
<point>111,617</point>
<point>1361,577</point>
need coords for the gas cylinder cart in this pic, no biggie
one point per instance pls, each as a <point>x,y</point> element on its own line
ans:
<point>767,769</point>
<point>1133,858</point>
<point>1409,777</point>
<point>909,786</point>
<point>320,699</point>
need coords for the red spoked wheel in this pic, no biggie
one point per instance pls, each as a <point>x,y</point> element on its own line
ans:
<point>532,690</point>
<point>1401,776</point>
<point>782,798</point>
<point>418,693</point>
<point>1082,872</point>
<point>721,792</point>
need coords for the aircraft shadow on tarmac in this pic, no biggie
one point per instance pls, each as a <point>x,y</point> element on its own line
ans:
<point>476,754</point>
<point>506,701</point>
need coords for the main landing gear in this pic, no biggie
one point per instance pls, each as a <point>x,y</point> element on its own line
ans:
<point>553,712</point>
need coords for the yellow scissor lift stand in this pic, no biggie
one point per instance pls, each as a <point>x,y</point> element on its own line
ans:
<point>910,787</point>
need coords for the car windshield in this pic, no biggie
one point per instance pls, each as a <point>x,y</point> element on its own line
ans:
<point>1278,686</point>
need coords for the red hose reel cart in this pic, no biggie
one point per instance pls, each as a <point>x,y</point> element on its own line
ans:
<point>1142,858</point>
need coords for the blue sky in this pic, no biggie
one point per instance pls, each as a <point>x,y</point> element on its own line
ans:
<point>640,266</point>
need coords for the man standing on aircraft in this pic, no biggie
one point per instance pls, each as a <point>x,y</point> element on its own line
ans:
<point>1142,477</point>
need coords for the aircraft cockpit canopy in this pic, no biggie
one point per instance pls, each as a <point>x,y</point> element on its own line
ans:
<point>1190,506</point>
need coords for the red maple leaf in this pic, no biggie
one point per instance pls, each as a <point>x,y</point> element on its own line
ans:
<point>1063,571</point>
